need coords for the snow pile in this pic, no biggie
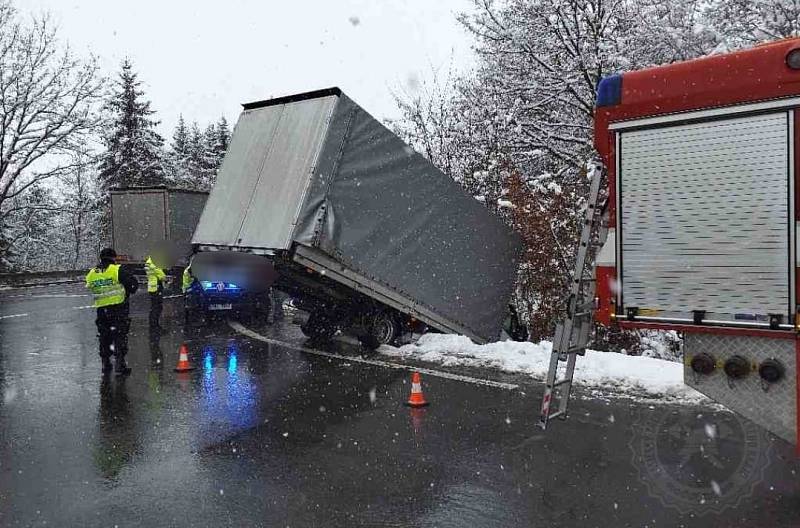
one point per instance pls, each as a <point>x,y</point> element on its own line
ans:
<point>642,376</point>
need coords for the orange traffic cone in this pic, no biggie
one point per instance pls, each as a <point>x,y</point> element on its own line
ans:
<point>417,399</point>
<point>183,360</point>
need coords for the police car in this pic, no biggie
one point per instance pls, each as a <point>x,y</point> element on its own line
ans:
<point>228,283</point>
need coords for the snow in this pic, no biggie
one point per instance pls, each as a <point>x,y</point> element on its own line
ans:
<point>635,377</point>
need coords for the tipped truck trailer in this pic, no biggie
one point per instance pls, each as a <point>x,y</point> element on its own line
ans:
<point>147,219</point>
<point>703,172</point>
<point>364,233</point>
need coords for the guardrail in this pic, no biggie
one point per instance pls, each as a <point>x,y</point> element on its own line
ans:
<point>37,278</point>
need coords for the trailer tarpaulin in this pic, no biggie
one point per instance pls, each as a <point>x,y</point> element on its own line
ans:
<point>384,211</point>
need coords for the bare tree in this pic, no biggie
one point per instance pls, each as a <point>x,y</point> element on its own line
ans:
<point>80,209</point>
<point>48,109</point>
<point>748,22</point>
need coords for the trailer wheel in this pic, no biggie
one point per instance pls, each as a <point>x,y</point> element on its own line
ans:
<point>383,329</point>
<point>319,327</point>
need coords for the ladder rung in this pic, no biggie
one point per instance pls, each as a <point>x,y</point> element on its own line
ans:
<point>561,382</point>
<point>555,415</point>
<point>563,356</point>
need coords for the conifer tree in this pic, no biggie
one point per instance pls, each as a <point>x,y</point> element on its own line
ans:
<point>133,154</point>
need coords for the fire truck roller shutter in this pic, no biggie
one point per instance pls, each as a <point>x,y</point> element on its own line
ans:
<point>704,220</point>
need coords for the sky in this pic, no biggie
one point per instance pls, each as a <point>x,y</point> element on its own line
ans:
<point>204,58</point>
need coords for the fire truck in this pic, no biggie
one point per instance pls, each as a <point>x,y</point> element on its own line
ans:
<point>702,220</point>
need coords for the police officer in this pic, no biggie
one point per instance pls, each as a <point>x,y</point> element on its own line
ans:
<point>111,287</point>
<point>187,282</point>
<point>155,287</point>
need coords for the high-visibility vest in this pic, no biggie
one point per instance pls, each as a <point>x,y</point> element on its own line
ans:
<point>154,275</point>
<point>105,286</point>
<point>186,284</point>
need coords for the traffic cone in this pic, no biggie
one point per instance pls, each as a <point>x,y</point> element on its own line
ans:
<point>417,399</point>
<point>183,360</point>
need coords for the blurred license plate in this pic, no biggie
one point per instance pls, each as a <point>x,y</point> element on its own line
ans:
<point>226,306</point>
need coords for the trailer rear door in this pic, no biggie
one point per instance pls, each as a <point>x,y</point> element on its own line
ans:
<point>706,220</point>
<point>265,175</point>
<point>139,222</point>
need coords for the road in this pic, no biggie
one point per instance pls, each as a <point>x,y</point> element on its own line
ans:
<point>267,431</point>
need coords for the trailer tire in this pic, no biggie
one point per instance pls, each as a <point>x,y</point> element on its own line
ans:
<point>383,329</point>
<point>319,328</point>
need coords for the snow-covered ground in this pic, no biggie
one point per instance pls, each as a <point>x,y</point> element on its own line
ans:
<point>633,376</point>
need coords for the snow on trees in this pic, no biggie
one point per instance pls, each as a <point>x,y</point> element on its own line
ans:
<point>195,157</point>
<point>133,154</point>
<point>48,100</point>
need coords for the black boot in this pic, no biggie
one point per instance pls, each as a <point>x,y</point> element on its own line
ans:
<point>122,368</point>
<point>107,367</point>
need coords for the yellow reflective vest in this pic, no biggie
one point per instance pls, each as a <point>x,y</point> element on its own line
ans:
<point>154,275</point>
<point>186,284</point>
<point>105,286</point>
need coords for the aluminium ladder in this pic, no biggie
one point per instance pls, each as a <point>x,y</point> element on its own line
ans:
<point>574,331</point>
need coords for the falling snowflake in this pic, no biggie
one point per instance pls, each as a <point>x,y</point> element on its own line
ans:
<point>716,488</point>
<point>711,430</point>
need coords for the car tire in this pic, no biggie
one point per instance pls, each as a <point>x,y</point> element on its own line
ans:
<point>383,329</point>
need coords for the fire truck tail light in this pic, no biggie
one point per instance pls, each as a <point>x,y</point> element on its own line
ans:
<point>771,370</point>
<point>737,367</point>
<point>703,363</point>
<point>793,59</point>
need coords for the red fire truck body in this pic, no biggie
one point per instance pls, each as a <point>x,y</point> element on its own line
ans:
<point>703,216</point>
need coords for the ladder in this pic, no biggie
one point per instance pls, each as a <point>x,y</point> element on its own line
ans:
<point>574,331</point>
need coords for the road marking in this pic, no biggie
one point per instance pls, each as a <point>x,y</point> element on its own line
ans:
<point>14,315</point>
<point>173,296</point>
<point>48,296</point>
<point>82,307</point>
<point>429,372</point>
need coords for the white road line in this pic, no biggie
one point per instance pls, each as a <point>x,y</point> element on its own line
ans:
<point>173,296</point>
<point>14,315</point>
<point>82,307</point>
<point>429,372</point>
<point>48,296</point>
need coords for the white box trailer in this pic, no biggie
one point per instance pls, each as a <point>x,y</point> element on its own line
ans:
<point>364,232</point>
<point>144,219</point>
<point>703,171</point>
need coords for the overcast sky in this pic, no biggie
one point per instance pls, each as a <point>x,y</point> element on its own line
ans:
<point>203,58</point>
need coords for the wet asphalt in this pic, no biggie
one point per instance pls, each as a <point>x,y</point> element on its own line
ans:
<point>266,434</point>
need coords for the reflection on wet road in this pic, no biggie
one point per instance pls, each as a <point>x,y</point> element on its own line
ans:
<point>262,434</point>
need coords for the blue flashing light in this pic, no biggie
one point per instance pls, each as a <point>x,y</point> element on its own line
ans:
<point>609,91</point>
<point>227,286</point>
<point>232,362</point>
